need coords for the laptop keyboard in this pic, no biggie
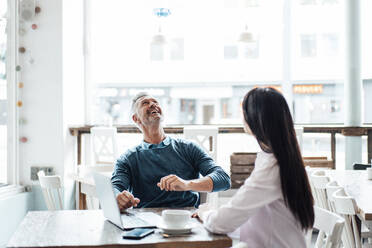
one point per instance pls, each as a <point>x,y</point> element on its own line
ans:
<point>132,220</point>
<point>126,213</point>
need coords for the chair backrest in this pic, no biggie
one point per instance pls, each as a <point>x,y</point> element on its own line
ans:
<point>104,145</point>
<point>89,190</point>
<point>331,225</point>
<point>205,136</point>
<point>309,171</point>
<point>320,180</point>
<point>51,186</point>
<point>345,205</point>
<point>332,187</point>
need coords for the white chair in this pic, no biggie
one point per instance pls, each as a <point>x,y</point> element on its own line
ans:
<point>104,145</point>
<point>331,225</point>
<point>90,190</point>
<point>51,186</point>
<point>332,187</point>
<point>345,205</point>
<point>105,152</point>
<point>320,180</point>
<point>206,137</point>
<point>309,171</point>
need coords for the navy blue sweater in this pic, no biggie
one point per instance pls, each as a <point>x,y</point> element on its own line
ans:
<point>141,168</point>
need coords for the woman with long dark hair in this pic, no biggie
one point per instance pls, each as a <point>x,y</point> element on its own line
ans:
<point>274,207</point>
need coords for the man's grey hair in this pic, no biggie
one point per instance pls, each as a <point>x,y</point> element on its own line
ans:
<point>135,99</point>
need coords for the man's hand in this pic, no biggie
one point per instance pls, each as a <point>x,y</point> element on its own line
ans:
<point>173,183</point>
<point>126,200</point>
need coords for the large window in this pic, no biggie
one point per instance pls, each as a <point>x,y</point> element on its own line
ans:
<point>200,57</point>
<point>3,94</point>
<point>189,56</point>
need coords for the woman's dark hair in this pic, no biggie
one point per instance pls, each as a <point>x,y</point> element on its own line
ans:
<point>267,114</point>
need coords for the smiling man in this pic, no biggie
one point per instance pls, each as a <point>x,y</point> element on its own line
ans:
<point>163,171</point>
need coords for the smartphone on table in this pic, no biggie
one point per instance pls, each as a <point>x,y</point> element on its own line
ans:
<point>137,233</point>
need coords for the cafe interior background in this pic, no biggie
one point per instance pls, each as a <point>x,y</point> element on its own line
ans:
<point>75,63</point>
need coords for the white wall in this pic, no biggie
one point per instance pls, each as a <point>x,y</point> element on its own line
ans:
<point>42,110</point>
<point>12,211</point>
<point>53,95</point>
<point>42,94</point>
<point>53,99</point>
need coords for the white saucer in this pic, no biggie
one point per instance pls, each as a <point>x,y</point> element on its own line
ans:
<point>181,230</point>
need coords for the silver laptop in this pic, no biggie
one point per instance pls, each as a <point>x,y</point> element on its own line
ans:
<point>126,220</point>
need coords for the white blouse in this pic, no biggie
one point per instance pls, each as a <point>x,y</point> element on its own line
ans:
<point>258,209</point>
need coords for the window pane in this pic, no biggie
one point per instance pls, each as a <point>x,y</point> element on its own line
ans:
<point>191,59</point>
<point>367,92</point>
<point>330,44</point>
<point>317,68</point>
<point>250,50</point>
<point>366,19</point>
<point>317,51</point>
<point>308,45</point>
<point>315,102</point>
<point>231,52</point>
<point>177,49</point>
<point>3,93</point>
<point>308,2</point>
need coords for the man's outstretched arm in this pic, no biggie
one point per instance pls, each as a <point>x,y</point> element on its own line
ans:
<point>208,168</point>
<point>214,177</point>
<point>175,183</point>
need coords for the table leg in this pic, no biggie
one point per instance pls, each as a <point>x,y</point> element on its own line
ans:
<point>333,149</point>
<point>369,146</point>
<point>79,149</point>
<point>82,199</point>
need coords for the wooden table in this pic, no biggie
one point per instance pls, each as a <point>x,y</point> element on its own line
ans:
<point>358,186</point>
<point>88,228</point>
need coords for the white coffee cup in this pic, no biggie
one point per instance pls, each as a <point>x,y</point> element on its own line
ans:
<point>174,218</point>
<point>369,173</point>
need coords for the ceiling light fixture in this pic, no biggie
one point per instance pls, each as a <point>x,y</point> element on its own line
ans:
<point>159,37</point>
<point>245,36</point>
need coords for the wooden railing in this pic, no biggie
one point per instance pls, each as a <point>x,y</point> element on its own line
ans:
<point>333,130</point>
<point>346,131</point>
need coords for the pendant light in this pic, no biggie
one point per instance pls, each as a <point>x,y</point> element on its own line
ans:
<point>159,38</point>
<point>245,36</point>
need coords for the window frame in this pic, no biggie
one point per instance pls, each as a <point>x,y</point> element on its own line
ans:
<point>13,186</point>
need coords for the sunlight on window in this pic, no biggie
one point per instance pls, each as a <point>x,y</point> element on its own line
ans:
<point>193,51</point>
<point>308,45</point>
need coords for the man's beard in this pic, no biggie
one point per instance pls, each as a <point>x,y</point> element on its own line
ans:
<point>152,120</point>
